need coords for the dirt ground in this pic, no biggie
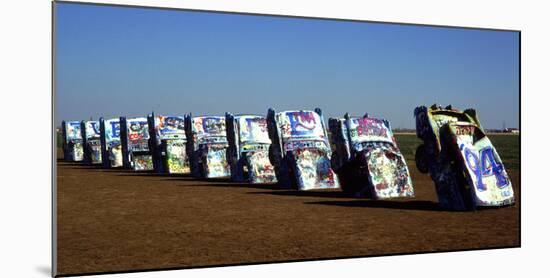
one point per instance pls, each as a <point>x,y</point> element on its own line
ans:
<point>114,220</point>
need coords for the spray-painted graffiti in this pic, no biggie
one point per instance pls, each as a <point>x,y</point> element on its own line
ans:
<point>92,151</point>
<point>248,151</point>
<point>389,175</point>
<point>112,130</point>
<point>313,170</point>
<point>92,130</point>
<point>455,146</point>
<point>170,154</point>
<point>439,120</point>
<point>138,144</point>
<point>138,135</point>
<point>169,127</point>
<point>300,124</point>
<point>253,129</point>
<point>76,151</point>
<point>115,154</point>
<point>94,148</point>
<point>177,161</point>
<point>214,162</point>
<point>259,167</point>
<point>112,149</point>
<point>206,146</point>
<point>369,130</point>
<point>142,162</point>
<point>209,126</point>
<point>484,167</point>
<point>72,145</point>
<point>369,162</point>
<point>73,130</point>
<point>301,153</point>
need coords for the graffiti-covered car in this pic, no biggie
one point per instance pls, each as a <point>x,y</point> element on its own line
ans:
<point>248,151</point>
<point>300,150</point>
<point>111,146</point>
<point>207,146</point>
<point>367,159</point>
<point>169,144</point>
<point>73,149</point>
<point>91,136</point>
<point>134,135</point>
<point>462,161</point>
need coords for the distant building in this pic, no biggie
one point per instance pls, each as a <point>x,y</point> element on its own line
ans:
<point>511,130</point>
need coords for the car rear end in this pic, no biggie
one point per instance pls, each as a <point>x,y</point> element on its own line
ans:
<point>483,171</point>
<point>306,149</point>
<point>135,136</point>
<point>253,147</point>
<point>377,168</point>
<point>169,144</point>
<point>209,135</point>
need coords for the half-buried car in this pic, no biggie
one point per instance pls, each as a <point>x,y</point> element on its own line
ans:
<point>301,151</point>
<point>367,159</point>
<point>463,163</point>
<point>207,146</point>
<point>248,152</point>
<point>169,144</point>
<point>73,149</point>
<point>136,151</point>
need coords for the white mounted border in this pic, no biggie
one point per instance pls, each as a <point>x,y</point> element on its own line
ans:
<point>26,92</point>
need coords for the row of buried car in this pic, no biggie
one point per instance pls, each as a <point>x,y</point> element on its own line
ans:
<point>294,149</point>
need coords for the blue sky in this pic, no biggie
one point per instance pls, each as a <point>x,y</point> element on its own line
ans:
<point>120,61</point>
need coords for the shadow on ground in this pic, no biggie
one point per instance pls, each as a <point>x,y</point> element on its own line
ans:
<point>131,173</point>
<point>328,194</point>
<point>404,205</point>
<point>233,185</point>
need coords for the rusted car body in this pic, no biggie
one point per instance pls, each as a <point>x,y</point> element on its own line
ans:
<point>248,151</point>
<point>367,159</point>
<point>73,149</point>
<point>91,141</point>
<point>461,160</point>
<point>136,151</point>
<point>207,146</point>
<point>169,140</point>
<point>300,150</point>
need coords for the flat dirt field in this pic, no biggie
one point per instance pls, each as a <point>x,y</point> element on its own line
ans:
<point>114,220</point>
